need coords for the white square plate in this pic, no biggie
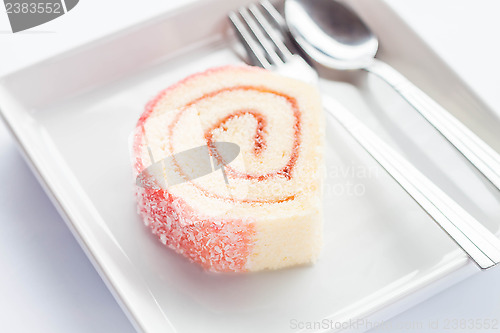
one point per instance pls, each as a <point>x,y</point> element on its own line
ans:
<point>72,116</point>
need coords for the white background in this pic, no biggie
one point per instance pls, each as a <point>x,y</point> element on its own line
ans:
<point>46,282</point>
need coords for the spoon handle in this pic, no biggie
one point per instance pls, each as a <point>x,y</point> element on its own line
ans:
<point>482,156</point>
<point>479,243</point>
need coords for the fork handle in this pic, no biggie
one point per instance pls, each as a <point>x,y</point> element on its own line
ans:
<point>479,243</point>
<point>482,156</point>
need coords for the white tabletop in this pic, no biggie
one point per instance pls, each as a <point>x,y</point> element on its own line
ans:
<point>48,285</point>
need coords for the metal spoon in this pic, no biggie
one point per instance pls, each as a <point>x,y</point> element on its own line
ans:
<point>336,37</point>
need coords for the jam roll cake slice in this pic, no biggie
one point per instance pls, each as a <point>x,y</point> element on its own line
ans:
<point>261,210</point>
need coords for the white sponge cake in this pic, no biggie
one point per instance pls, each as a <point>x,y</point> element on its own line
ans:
<point>261,210</point>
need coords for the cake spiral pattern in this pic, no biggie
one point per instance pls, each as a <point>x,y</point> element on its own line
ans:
<point>263,210</point>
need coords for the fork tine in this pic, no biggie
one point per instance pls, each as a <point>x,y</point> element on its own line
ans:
<point>270,31</point>
<point>273,12</point>
<point>253,48</point>
<point>256,29</point>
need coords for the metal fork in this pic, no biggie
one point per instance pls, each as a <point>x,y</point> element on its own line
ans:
<point>260,27</point>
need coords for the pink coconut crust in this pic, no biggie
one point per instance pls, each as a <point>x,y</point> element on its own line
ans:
<point>217,244</point>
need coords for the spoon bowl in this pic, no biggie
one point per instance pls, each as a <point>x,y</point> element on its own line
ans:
<point>331,33</point>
